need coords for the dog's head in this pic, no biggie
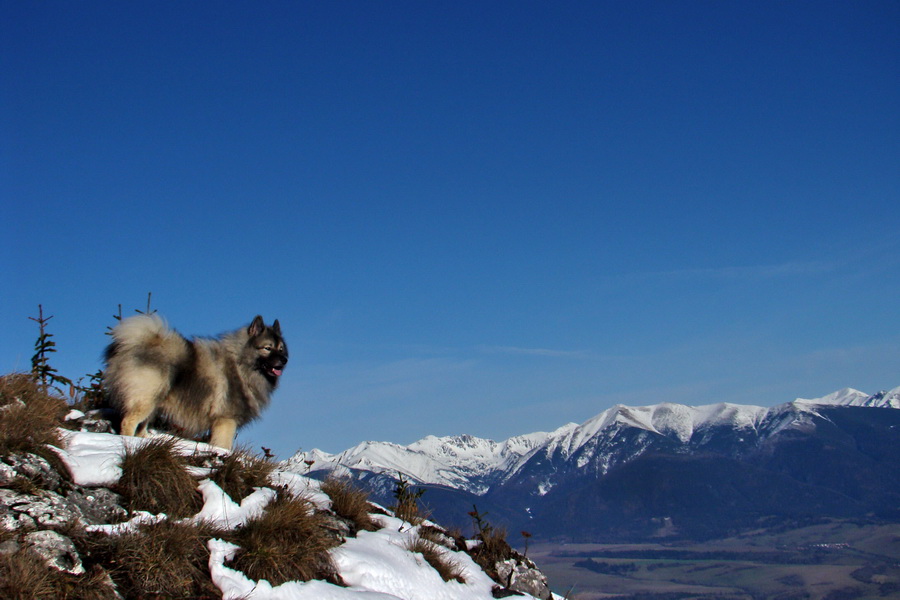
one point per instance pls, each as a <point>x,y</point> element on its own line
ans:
<point>271,350</point>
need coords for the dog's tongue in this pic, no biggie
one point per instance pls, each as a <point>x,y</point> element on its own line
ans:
<point>276,372</point>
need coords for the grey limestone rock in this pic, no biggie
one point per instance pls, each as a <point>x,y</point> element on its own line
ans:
<point>98,505</point>
<point>31,467</point>
<point>48,509</point>
<point>95,421</point>
<point>7,474</point>
<point>337,527</point>
<point>57,550</point>
<point>523,576</point>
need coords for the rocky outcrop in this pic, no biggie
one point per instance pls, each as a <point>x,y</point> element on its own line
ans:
<point>522,575</point>
<point>38,503</point>
<point>45,513</point>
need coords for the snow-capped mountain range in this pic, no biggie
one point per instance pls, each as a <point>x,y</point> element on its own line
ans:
<point>475,465</point>
<point>650,472</point>
<point>463,462</point>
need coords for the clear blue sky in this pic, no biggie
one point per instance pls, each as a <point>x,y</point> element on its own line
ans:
<point>470,217</point>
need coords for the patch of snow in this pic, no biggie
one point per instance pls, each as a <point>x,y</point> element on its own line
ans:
<point>139,517</point>
<point>302,486</point>
<point>73,414</point>
<point>375,565</point>
<point>220,509</point>
<point>235,585</point>
<point>378,561</point>
<point>93,458</point>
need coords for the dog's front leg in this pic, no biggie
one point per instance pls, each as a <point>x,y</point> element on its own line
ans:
<point>223,430</point>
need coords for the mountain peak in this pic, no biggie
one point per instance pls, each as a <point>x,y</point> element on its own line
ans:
<point>852,397</point>
<point>888,399</point>
<point>845,397</point>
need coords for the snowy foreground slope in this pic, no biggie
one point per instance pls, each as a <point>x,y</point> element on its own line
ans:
<point>374,565</point>
<point>475,465</point>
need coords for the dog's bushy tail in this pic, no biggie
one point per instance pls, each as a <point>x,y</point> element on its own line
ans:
<point>139,330</point>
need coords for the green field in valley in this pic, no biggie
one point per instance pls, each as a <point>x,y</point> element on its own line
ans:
<point>829,561</point>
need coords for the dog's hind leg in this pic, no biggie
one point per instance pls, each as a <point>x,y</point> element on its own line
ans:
<point>222,432</point>
<point>141,397</point>
<point>135,423</point>
<point>136,419</point>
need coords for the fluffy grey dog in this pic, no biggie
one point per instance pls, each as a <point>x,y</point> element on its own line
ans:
<point>203,384</point>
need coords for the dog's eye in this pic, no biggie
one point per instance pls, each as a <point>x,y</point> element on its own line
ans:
<point>267,348</point>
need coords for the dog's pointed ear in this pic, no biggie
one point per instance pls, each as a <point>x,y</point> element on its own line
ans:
<point>276,327</point>
<point>256,327</point>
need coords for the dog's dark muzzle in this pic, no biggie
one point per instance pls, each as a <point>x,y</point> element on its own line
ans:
<point>274,365</point>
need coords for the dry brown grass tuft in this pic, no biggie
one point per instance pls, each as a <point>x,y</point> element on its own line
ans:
<point>493,549</point>
<point>23,485</point>
<point>29,416</point>
<point>349,502</point>
<point>240,472</point>
<point>450,539</point>
<point>155,479</point>
<point>410,511</point>
<point>446,568</point>
<point>25,576</point>
<point>6,535</point>
<point>168,559</point>
<point>287,542</point>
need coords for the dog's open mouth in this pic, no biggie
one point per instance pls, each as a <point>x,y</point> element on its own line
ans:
<point>274,372</point>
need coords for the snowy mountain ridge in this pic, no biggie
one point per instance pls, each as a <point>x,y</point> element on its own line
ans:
<point>474,465</point>
<point>454,461</point>
<point>851,397</point>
